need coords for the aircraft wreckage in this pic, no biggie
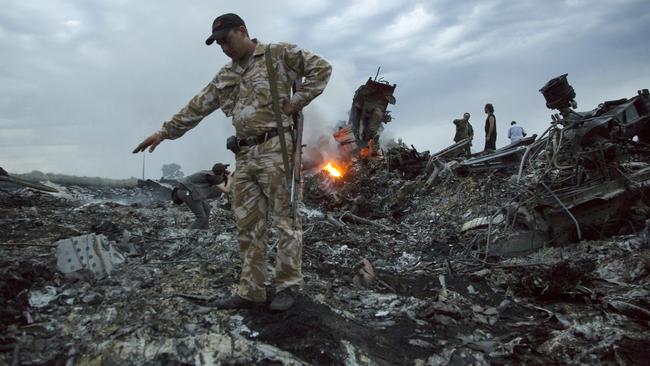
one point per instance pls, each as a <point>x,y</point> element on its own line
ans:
<point>368,113</point>
<point>577,180</point>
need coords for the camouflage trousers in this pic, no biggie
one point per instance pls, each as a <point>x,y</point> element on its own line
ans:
<point>261,195</point>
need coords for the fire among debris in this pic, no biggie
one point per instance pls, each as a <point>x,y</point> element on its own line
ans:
<point>332,170</point>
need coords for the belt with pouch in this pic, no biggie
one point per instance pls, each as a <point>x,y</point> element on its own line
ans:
<point>260,139</point>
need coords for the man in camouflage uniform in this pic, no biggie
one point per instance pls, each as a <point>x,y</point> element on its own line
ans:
<point>464,130</point>
<point>241,89</point>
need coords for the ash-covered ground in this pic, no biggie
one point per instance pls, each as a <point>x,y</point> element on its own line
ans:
<point>391,278</point>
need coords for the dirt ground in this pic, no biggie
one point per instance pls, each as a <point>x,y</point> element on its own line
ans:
<point>407,287</point>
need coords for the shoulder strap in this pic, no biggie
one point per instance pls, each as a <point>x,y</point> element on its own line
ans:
<point>276,110</point>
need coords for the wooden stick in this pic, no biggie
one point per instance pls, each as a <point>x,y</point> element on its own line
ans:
<point>334,222</point>
<point>364,221</point>
<point>386,285</point>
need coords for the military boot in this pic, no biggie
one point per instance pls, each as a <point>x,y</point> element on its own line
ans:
<point>284,299</point>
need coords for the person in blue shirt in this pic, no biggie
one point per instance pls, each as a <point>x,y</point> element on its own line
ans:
<point>515,133</point>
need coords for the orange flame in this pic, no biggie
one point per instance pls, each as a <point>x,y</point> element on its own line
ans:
<point>334,172</point>
<point>365,153</point>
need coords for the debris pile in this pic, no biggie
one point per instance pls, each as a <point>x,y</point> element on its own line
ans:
<point>536,257</point>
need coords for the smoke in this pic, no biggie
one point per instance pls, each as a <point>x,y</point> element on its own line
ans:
<point>387,138</point>
<point>323,117</point>
<point>319,140</point>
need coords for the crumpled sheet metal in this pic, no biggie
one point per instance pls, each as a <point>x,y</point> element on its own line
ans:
<point>454,150</point>
<point>93,252</point>
<point>26,183</point>
<point>41,298</point>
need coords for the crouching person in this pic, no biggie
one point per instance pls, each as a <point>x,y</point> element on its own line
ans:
<point>195,190</point>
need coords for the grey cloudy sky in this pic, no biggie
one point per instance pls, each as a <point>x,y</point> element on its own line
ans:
<point>82,82</point>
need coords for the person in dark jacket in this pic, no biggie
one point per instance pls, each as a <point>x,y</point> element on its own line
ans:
<point>195,190</point>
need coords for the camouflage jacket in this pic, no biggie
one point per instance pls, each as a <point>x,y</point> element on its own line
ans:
<point>463,130</point>
<point>244,94</point>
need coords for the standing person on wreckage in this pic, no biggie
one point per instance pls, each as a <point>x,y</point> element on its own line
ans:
<point>244,90</point>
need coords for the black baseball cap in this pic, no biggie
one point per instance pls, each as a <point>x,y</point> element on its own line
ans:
<point>222,24</point>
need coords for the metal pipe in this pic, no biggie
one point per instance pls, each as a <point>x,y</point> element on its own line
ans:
<point>528,148</point>
<point>521,164</point>
<point>555,153</point>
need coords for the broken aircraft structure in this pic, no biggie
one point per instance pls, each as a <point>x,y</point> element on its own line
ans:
<point>368,112</point>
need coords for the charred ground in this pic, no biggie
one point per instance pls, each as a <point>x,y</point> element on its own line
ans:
<point>406,287</point>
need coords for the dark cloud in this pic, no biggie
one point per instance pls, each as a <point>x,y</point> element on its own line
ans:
<point>81,83</point>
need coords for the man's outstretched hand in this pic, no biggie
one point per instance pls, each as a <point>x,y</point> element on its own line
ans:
<point>151,142</point>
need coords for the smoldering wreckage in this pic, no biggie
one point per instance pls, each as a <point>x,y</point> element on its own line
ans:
<point>538,253</point>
